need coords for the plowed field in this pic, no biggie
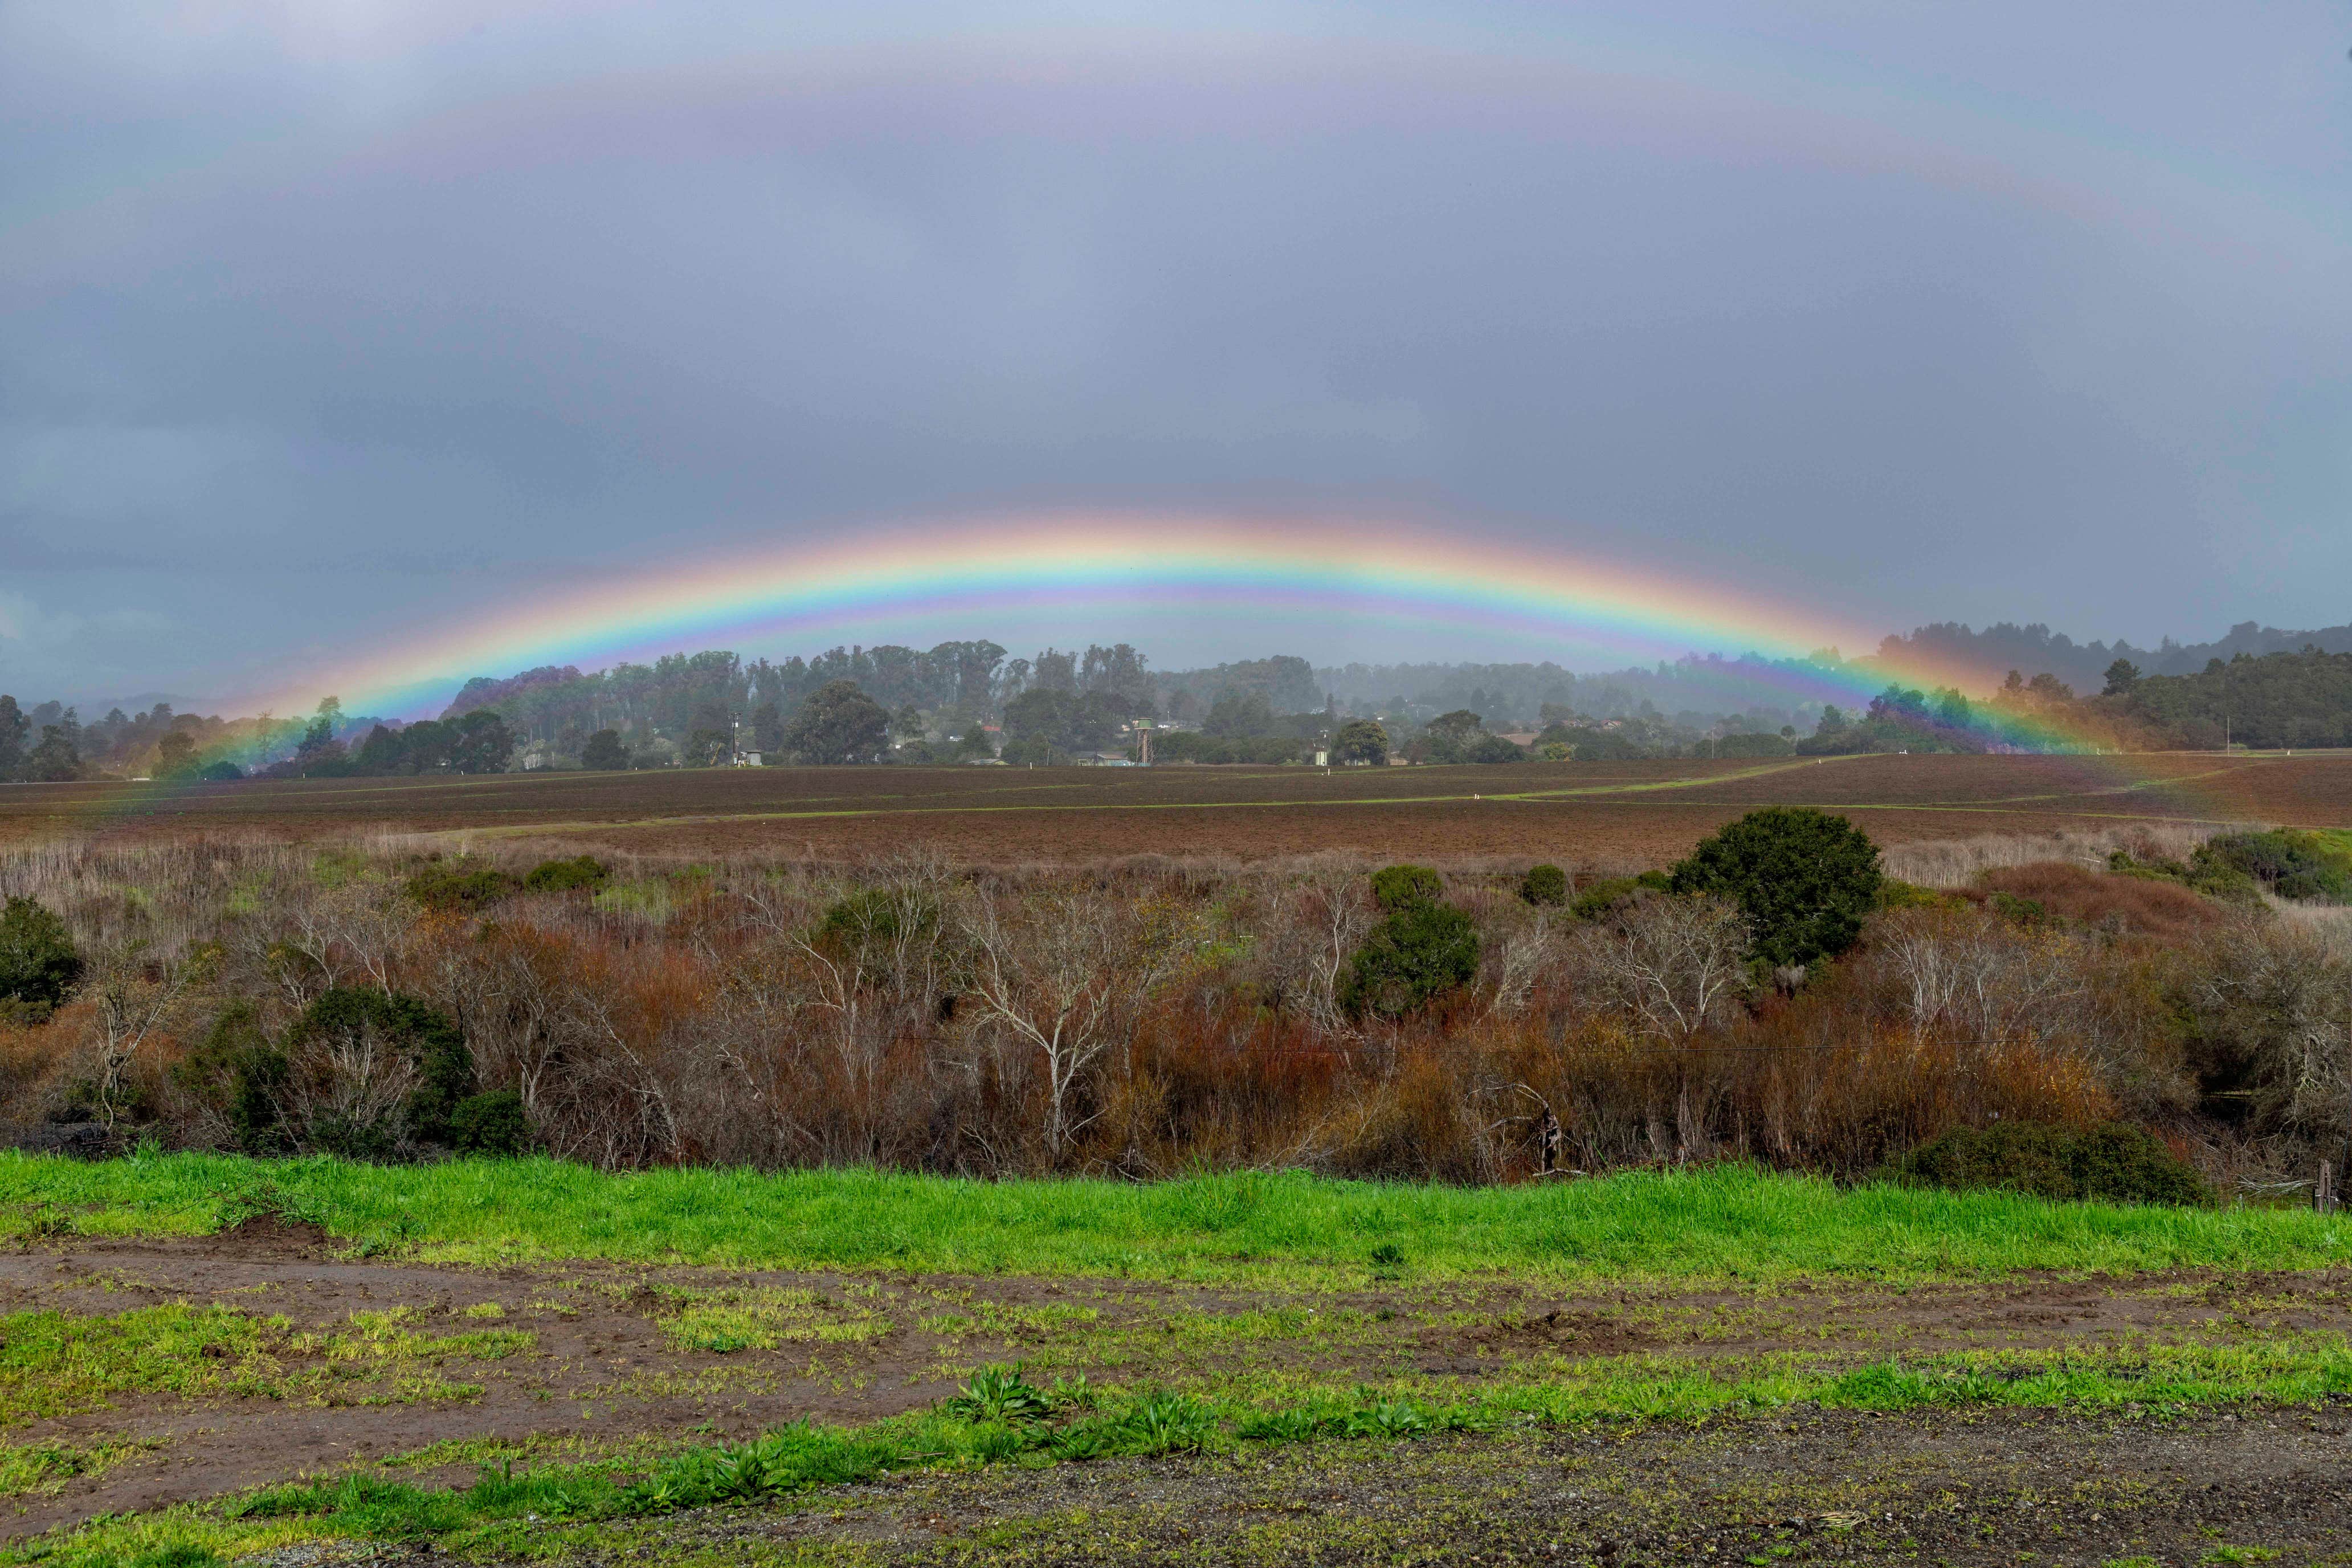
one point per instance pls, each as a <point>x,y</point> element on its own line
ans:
<point>1635,811</point>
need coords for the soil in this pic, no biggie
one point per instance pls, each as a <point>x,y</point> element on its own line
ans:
<point>2002,1487</point>
<point>1578,814</point>
<point>604,1371</point>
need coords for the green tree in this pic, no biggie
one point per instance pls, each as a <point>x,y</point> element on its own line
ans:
<point>1543,885</point>
<point>175,754</point>
<point>1360,741</point>
<point>1461,726</point>
<point>604,752</point>
<point>839,723</point>
<point>2121,677</point>
<point>58,758</point>
<point>1421,951</point>
<point>1804,879</point>
<point>482,743</point>
<point>39,964</point>
<point>14,727</point>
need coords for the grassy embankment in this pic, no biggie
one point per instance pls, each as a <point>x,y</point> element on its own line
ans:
<point>1287,1232</point>
<point>1292,1231</point>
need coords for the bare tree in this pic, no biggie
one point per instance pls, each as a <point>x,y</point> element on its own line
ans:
<point>1674,963</point>
<point>1063,974</point>
<point>137,995</point>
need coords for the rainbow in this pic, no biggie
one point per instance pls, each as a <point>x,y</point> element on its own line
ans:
<point>973,574</point>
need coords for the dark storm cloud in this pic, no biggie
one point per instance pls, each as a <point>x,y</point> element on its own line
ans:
<point>311,321</point>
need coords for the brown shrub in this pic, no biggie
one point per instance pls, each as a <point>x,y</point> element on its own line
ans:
<point>2106,901</point>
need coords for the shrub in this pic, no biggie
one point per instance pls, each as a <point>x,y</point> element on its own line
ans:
<point>566,876</point>
<point>1421,951</point>
<point>1600,898</point>
<point>1804,879</point>
<point>236,1070</point>
<point>2108,1163</point>
<point>449,885</point>
<point>1403,886</point>
<point>431,1044</point>
<point>2288,861</point>
<point>1544,885</point>
<point>492,1123</point>
<point>39,964</point>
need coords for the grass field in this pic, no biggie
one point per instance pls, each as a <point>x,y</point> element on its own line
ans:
<point>206,1359</point>
<point>1641,812</point>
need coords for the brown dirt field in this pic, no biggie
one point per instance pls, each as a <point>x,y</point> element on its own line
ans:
<point>606,1369</point>
<point>1587,815</point>
<point>1968,1491</point>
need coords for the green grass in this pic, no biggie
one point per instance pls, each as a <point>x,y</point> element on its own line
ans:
<point>1725,1223</point>
<point>1720,1223</point>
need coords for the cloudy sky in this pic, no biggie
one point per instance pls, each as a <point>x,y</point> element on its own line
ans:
<point>326,321</point>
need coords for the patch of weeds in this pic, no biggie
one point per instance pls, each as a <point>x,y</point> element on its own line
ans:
<point>764,1317</point>
<point>45,1467</point>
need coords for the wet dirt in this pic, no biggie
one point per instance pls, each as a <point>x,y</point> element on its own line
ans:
<point>608,1365</point>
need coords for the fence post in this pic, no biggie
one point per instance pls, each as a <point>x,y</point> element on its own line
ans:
<point>2322,1195</point>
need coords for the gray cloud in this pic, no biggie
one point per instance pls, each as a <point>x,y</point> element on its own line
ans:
<point>310,325</point>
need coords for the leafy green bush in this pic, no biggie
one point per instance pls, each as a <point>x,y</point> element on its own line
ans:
<point>451,887</point>
<point>39,964</point>
<point>1421,951</point>
<point>1545,885</point>
<point>1599,898</point>
<point>492,1123</point>
<point>1804,879</point>
<point>1403,886</point>
<point>2109,1163</point>
<point>565,876</point>
<point>2288,861</point>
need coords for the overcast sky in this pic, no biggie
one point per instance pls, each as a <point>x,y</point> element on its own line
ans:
<point>324,319</point>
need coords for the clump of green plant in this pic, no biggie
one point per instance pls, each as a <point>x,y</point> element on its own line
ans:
<point>1599,898</point>
<point>38,963</point>
<point>567,876</point>
<point>454,887</point>
<point>2108,1163</point>
<point>2287,861</point>
<point>494,1123</point>
<point>1544,885</point>
<point>1421,951</point>
<point>1806,881</point>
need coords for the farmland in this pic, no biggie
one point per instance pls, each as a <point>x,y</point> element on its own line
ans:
<point>1641,812</point>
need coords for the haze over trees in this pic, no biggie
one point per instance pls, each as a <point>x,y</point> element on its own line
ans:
<point>968,701</point>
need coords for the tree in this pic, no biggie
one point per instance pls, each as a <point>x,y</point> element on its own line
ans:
<point>1361,740</point>
<point>2121,677</point>
<point>1459,726</point>
<point>1804,878</point>
<point>482,743</point>
<point>39,964</point>
<point>839,723</point>
<point>1673,963</point>
<point>57,758</point>
<point>1423,950</point>
<point>175,754</point>
<point>1239,715</point>
<point>604,752</point>
<point>14,727</point>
